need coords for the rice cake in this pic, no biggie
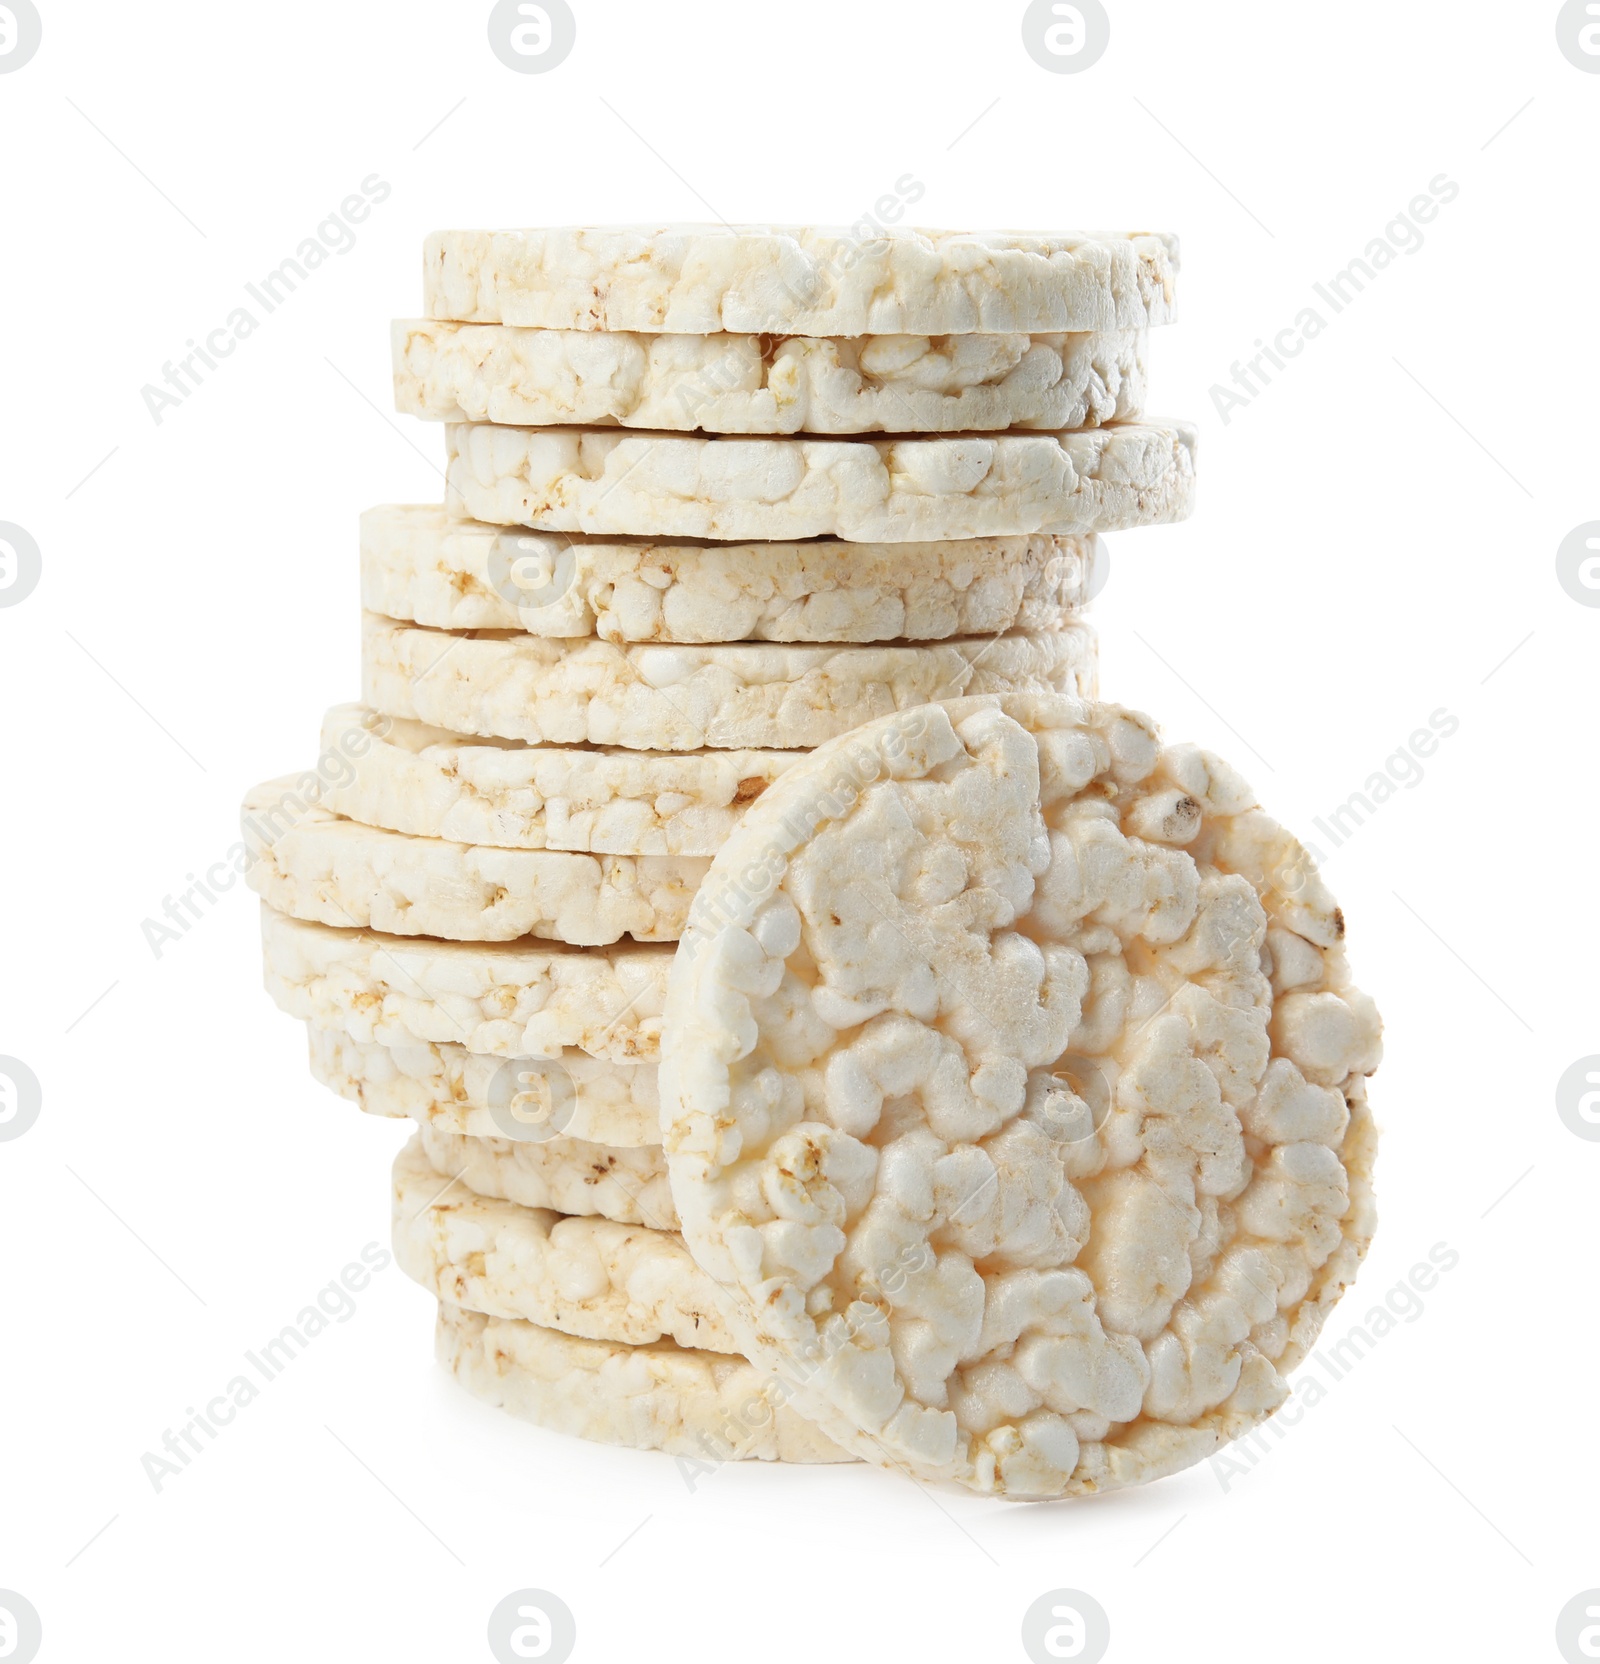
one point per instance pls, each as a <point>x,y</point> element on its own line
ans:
<point>582,1276</point>
<point>419,564</point>
<point>761,384</point>
<point>506,1000</point>
<point>1013,1092</point>
<point>316,865</point>
<point>650,484</point>
<point>699,1405</point>
<point>812,280</point>
<point>566,1175</point>
<point>478,1095</point>
<point>437,784</point>
<point>727,697</point>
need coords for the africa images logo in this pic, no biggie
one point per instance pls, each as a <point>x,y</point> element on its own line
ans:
<point>532,36</point>
<point>21,31</point>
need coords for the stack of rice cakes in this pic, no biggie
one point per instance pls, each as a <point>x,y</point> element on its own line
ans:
<point>715,497</point>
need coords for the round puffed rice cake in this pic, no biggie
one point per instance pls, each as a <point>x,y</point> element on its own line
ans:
<point>890,490</point>
<point>1013,1093</point>
<point>584,1276</point>
<point>702,1405</point>
<point>814,280</point>
<point>319,866</point>
<point>505,999</point>
<point>763,384</point>
<point>419,564</point>
<point>566,1175</point>
<point>731,696</point>
<point>388,771</point>
<point>478,1095</point>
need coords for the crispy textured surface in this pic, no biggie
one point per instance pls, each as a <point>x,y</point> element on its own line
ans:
<point>757,384</point>
<point>509,1001</point>
<point>815,280</point>
<point>863,490</point>
<point>589,1277</point>
<point>315,865</point>
<point>414,778</point>
<point>1013,1087</point>
<point>472,1093</point>
<point>419,564</point>
<point>568,1175</point>
<point>731,697</point>
<point>660,1397</point>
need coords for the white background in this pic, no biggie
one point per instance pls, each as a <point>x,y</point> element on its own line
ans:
<point>1377,533</point>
